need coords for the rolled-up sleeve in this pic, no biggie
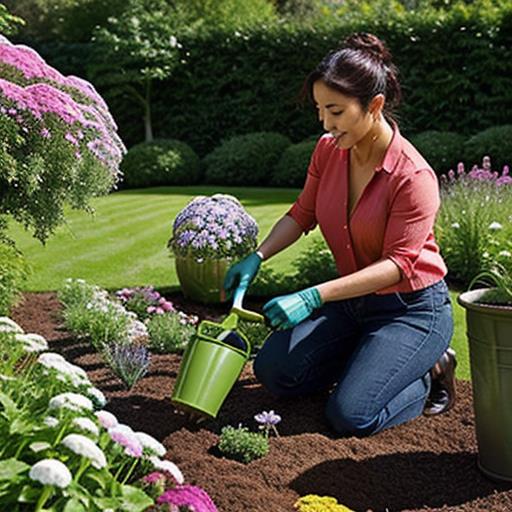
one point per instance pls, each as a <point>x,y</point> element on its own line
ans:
<point>411,220</point>
<point>303,210</point>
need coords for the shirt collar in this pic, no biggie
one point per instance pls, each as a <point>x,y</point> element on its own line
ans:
<point>393,152</point>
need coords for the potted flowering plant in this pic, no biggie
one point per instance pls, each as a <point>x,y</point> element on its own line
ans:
<point>481,196</point>
<point>207,236</point>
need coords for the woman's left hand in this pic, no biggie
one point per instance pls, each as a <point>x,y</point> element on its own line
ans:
<point>287,311</point>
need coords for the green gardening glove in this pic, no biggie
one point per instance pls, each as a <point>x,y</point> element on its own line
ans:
<point>241,274</point>
<point>287,311</point>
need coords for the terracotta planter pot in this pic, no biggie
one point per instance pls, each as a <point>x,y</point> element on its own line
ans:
<point>489,330</point>
<point>202,281</point>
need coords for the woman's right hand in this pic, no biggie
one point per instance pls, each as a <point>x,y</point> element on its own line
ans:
<point>241,274</point>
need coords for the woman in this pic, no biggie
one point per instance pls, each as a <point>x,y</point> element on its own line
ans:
<point>378,335</point>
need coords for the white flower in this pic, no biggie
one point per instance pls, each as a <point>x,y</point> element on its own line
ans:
<point>170,467</point>
<point>49,358</point>
<point>455,225</point>
<point>50,472</point>
<point>124,429</point>
<point>505,254</point>
<point>66,371</point>
<point>73,401</point>
<point>97,396</point>
<point>8,325</point>
<point>107,419</point>
<point>51,421</point>
<point>495,226</point>
<point>86,424</point>
<point>32,342</point>
<point>151,444</point>
<point>83,446</point>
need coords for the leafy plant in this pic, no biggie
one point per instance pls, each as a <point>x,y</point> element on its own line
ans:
<point>292,167</point>
<point>130,362</point>
<point>171,332</point>
<point>161,162</point>
<point>474,225</point>
<point>245,159</point>
<point>500,277</point>
<point>315,503</point>
<point>241,445</point>
<point>495,142</point>
<point>13,273</point>
<point>442,150</point>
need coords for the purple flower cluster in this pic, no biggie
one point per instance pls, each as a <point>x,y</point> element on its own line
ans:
<point>145,301</point>
<point>34,94</point>
<point>214,227</point>
<point>188,496</point>
<point>477,174</point>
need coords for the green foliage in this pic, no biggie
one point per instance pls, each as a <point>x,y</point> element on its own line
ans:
<point>500,277</point>
<point>442,150</point>
<point>473,227</point>
<point>169,333</point>
<point>241,445</point>
<point>256,333</point>
<point>161,162</point>
<point>292,167</point>
<point>245,159</point>
<point>13,273</point>
<point>495,142</point>
<point>8,23</point>
<point>313,266</point>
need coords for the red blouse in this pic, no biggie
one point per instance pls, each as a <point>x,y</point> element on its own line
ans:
<point>394,217</point>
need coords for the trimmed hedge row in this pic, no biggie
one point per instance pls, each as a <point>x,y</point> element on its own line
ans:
<point>454,73</point>
<point>269,159</point>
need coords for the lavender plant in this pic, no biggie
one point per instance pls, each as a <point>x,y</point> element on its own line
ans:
<point>59,141</point>
<point>213,227</point>
<point>130,362</point>
<point>474,225</point>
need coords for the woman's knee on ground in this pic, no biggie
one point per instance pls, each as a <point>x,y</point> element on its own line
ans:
<point>349,419</point>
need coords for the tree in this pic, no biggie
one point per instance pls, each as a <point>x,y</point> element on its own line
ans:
<point>134,50</point>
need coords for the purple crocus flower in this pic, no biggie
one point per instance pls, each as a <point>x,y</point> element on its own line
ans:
<point>268,421</point>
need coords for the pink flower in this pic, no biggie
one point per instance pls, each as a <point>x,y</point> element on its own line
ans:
<point>167,306</point>
<point>154,478</point>
<point>188,495</point>
<point>127,440</point>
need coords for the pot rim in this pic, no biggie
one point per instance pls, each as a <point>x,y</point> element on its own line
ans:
<point>469,300</point>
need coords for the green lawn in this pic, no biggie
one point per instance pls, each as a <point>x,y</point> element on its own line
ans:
<point>124,243</point>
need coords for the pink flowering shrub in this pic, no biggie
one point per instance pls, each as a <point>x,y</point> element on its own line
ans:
<point>58,145</point>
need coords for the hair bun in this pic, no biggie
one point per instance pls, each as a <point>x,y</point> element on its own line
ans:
<point>369,44</point>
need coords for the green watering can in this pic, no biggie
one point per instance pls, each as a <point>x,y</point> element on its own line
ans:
<point>213,361</point>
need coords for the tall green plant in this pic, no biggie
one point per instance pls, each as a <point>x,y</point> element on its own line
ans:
<point>137,49</point>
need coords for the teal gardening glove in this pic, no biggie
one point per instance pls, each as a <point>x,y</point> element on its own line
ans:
<point>287,311</point>
<point>241,275</point>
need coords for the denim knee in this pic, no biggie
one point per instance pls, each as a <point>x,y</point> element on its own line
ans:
<point>347,419</point>
<point>269,373</point>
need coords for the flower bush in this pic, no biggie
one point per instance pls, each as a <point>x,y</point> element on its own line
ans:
<point>171,332</point>
<point>144,301</point>
<point>213,227</point>
<point>130,362</point>
<point>474,225</point>
<point>59,142</point>
<point>62,452</point>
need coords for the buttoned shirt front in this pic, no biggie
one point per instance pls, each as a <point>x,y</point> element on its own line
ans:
<point>394,217</point>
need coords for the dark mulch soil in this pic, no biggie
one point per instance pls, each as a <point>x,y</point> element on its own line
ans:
<point>427,464</point>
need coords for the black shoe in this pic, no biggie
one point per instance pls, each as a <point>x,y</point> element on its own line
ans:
<point>442,391</point>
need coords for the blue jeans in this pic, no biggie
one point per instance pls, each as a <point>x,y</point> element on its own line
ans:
<point>375,352</point>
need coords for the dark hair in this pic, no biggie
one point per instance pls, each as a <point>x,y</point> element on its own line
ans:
<point>361,68</point>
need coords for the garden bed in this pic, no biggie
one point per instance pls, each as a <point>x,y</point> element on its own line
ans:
<point>427,464</point>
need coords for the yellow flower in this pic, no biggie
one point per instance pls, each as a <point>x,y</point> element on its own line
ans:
<point>315,503</point>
